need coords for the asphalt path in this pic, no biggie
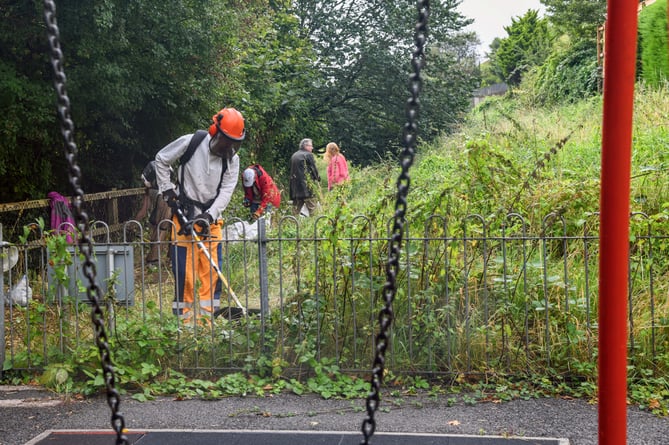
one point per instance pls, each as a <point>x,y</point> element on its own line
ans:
<point>27,412</point>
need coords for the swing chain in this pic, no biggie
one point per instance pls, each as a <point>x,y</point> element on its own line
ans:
<point>81,218</point>
<point>409,136</point>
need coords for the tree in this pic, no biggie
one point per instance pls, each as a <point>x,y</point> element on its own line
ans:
<point>577,18</point>
<point>27,130</point>
<point>451,75</point>
<point>278,74</point>
<point>138,74</point>
<point>487,69</point>
<point>363,56</point>
<point>527,45</point>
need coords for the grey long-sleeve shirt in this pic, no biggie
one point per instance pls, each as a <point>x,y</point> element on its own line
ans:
<point>201,175</point>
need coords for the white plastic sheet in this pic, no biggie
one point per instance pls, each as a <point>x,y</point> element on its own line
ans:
<point>241,230</point>
<point>21,293</point>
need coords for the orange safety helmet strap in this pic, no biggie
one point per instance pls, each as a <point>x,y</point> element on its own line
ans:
<point>230,122</point>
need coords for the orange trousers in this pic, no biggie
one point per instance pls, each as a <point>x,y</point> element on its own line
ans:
<point>194,274</point>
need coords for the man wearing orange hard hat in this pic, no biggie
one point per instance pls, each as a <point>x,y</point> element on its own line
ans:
<point>207,177</point>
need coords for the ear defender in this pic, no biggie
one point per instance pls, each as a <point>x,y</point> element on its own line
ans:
<point>213,128</point>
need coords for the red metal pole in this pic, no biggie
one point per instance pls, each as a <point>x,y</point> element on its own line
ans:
<point>619,66</point>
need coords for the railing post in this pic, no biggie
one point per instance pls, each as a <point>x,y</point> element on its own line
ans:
<point>262,267</point>
<point>262,272</point>
<point>2,306</point>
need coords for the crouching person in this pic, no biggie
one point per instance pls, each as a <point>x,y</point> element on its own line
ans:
<point>261,194</point>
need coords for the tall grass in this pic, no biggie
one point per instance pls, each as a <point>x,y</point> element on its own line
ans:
<point>509,157</point>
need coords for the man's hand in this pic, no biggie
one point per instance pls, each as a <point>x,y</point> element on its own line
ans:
<point>201,222</point>
<point>170,197</point>
<point>256,215</point>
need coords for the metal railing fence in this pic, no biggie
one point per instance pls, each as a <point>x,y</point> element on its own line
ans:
<point>114,207</point>
<point>474,296</point>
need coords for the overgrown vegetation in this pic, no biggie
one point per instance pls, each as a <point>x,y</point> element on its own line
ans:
<point>509,158</point>
<point>527,161</point>
<point>653,43</point>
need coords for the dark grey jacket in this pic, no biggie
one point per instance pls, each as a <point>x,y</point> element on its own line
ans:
<point>302,163</point>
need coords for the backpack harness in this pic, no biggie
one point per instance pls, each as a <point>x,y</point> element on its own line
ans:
<point>187,203</point>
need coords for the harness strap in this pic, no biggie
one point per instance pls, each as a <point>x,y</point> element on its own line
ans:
<point>187,203</point>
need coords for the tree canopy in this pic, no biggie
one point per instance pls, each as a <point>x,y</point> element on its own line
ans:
<point>142,73</point>
<point>577,18</point>
<point>138,74</point>
<point>363,52</point>
<point>527,45</point>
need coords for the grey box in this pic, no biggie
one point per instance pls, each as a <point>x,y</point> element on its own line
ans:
<point>109,260</point>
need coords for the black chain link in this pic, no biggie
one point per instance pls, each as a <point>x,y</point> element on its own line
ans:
<point>81,218</point>
<point>409,137</point>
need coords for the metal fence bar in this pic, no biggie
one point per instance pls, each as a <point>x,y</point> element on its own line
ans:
<point>3,260</point>
<point>474,295</point>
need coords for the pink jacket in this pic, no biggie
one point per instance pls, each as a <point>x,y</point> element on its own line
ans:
<point>337,170</point>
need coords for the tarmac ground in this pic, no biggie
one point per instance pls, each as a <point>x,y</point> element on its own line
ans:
<point>30,414</point>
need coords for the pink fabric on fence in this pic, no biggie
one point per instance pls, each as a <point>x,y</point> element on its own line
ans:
<point>62,220</point>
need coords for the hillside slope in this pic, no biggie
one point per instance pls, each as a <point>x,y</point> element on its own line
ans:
<point>510,157</point>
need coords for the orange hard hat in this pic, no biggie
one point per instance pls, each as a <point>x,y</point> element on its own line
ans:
<point>230,122</point>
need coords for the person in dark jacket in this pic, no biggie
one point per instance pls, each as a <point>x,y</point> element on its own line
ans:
<point>304,179</point>
<point>158,211</point>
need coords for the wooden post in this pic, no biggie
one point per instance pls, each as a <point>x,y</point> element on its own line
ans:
<point>112,210</point>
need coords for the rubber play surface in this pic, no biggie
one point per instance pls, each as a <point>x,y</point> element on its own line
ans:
<point>237,437</point>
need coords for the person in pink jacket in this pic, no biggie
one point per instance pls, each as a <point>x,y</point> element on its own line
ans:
<point>337,165</point>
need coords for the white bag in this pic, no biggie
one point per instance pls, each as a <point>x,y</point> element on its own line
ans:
<point>21,293</point>
<point>241,230</point>
<point>304,211</point>
<point>10,256</point>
